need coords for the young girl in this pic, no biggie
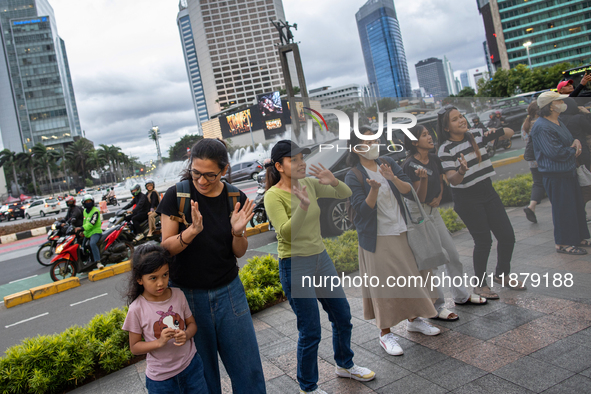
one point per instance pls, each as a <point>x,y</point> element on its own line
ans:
<point>161,315</point>
<point>468,169</point>
<point>291,204</point>
<point>428,183</point>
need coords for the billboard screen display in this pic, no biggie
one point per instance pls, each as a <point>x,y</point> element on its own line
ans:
<point>270,105</point>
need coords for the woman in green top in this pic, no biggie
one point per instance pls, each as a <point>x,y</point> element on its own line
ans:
<point>290,202</point>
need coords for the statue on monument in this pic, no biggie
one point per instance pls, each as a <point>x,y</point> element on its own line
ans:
<point>286,36</point>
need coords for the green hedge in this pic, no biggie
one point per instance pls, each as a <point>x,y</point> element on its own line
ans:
<point>516,191</point>
<point>451,219</point>
<point>343,251</point>
<point>53,363</point>
<point>260,278</point>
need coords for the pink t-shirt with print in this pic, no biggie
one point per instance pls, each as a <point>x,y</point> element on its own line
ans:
<point>149,318</point>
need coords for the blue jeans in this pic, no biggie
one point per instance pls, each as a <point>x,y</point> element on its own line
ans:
<point>96,254</point>
<point>224,326</point>
<point>308,319</point>
<point>189,381</point>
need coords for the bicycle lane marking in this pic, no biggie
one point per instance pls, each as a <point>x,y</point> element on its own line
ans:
<point>24,243</point>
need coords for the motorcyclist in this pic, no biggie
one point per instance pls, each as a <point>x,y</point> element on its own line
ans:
<point>140,212</point>
<point>478,125</point>
<point>495,121</point>
<point>74,213</point>
<point>154,200</point>
<point>110,193</point>
<point>92,227</point>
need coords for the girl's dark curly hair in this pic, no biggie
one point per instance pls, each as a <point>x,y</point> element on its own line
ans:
<point>207,149</point>
<point>147,258</point>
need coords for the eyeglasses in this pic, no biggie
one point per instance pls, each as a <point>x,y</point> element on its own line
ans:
<point>210,177</point>
<point>443,110</point>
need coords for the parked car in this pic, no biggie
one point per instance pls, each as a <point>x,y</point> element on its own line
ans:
<point>3,213</point>
<point>43,207</point>
<point>245,170</point>
<point>14,210</point>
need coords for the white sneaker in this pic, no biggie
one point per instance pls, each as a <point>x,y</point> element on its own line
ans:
<point>356,372</point>
<point>317,391</point>
<point>99,266</point>
<point>419,325</point>
<point>390,345</point>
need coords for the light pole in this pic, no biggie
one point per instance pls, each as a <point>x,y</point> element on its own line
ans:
<point>527,45</point>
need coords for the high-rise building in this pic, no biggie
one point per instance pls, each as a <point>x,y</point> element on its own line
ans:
<point>559,31</point>
<point>464,80</point>
<point>383,49</point>
<point>337,97</point>
<point>431,76</point>
<point>449,76</point>
<point>37,102</point>
<point>230,51</point>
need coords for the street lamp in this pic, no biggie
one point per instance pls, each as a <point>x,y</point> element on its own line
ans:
<point>527,45</point>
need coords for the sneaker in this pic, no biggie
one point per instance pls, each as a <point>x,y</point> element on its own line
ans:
<point>356,372</point>
<point>100,266</point>
<point>317,391</point>
<point>390,345</point>
<point>419,325</point>
<point>139,237</point>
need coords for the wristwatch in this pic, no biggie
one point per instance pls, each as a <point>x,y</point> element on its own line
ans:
<point>238,235</point>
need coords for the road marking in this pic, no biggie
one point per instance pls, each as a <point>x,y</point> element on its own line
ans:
<point>89,299</point>
<point>18,280</point>
<point>26,320</point>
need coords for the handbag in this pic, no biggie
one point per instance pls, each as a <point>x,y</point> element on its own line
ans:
<point>584,176</point>
<point>423,239</point>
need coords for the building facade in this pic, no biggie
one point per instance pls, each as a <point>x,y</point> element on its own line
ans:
<point>37,102</point>
<point>431,76</point>
<point>449,76</point>
<point>383,49</point>
<point>230,51</point>
<point>464,80</point>
<point>337,97</point>
<point>559,31</point>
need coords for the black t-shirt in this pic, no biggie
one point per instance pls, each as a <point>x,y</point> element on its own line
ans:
<point>434,184</point>
<point>208,262</point>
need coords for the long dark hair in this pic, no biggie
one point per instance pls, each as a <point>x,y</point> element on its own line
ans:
<point>147,258</point>
<point>532,113</point>
<point>207,149</point>
<point>443,124</point>
<point>411,149</point>
<point>272,175</point>
<point>352,157</point>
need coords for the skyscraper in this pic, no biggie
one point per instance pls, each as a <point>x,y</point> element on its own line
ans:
<point>37,101</point>
<point>383,49</point>
<point>559,31</point>
<point>431,76</point>
<point>230,51</point>
<point>449,76</point>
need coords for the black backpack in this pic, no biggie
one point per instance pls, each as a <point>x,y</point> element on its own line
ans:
<point>183,193</point>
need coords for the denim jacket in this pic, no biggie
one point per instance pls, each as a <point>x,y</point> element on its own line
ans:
<point>366,218</point>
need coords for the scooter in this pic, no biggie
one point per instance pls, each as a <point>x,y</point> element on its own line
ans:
<point>492,146</point>
<point>119,218</point>
<point>112,200</point>
<point>260,215</point>
<point>73,258</point>
<point>54,237</point>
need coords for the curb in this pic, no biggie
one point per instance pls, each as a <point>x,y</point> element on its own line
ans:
<point>40,291</point>
<point>6,239</point>
<point>504,162</point>
<point>107,272</point>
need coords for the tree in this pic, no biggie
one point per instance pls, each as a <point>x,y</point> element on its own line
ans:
<point>78,153</point>
<point>296,90</point>
<point>28,160</point>
<point>178,151</point>
<point>96,161</point>
<point>111,154</point>
<point>47,157</point>
<point>466,92</point>
<point>8,158</point>
<point>62,153</point>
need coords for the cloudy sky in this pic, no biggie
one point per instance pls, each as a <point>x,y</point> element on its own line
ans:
<point>128,69</point>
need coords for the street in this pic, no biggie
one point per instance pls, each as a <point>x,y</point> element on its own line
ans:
<point>21,271</point>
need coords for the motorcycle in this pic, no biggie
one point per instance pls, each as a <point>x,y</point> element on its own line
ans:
<point>492,146</point>
<point>72,258</point>
<point>112,200</point>
<point>54,237</point>
<point>260,215</point>
<point>119,218</point>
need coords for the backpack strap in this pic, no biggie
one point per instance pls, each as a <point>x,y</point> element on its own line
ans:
<point>358,175</point>
<point>233,196</point>
<point>183,193</point>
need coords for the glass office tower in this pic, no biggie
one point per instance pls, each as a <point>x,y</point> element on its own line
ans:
<point>383,50</point>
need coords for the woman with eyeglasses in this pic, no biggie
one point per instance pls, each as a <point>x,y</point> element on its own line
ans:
<point>469,170</point>
<point>206,243</point>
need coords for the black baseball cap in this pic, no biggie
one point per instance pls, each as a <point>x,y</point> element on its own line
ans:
<point>286,148</point>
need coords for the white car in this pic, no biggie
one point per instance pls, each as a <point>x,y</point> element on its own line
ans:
<point>43,207</point>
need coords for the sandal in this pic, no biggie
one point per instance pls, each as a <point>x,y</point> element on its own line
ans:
<point>445,315</point>
<point>585,243</point>
<point>571,250</point>
<point>520,286</point>
<point>486,292</point>
<point>474,299</point>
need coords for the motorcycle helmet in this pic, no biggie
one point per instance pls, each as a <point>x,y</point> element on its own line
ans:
<point>497,112</point>
<point>148,181</point>
<point>70,201</point>
<point>135,189</point>
<point>88,202</point>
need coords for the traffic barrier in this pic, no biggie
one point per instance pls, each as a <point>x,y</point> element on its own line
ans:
<point>54,288</point>
<point>504,162</point>
<point>18,298</point>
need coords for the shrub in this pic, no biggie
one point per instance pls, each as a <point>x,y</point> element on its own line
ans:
<point>260,278</point>
<point>451,219</point>
<point>88,182</point>
<point>516,191</point>
<point>343,251</point>
<point>53,363</point>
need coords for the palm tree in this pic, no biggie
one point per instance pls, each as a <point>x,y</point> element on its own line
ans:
<point>78,152</point>
<point>28,160</point>
<point>47,157</point>
<point>64,168</point>
<point>97,162</point>
<point>8,157</point>
<point>110,153</point>
<point>154,135</point>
